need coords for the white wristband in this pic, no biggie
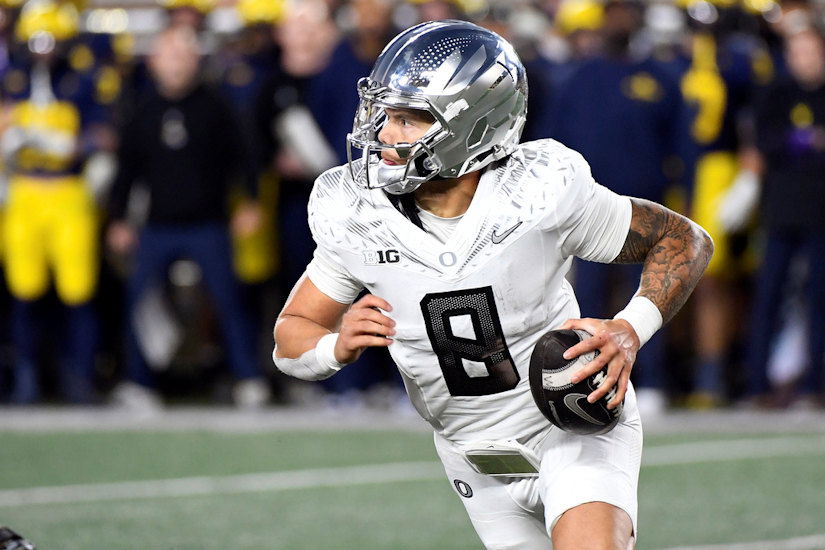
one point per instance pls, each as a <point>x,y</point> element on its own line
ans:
<point>643,316</point>
<point>317,363</point>
<point>325,352</point>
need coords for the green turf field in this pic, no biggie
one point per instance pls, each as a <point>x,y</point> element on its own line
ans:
<point>294,487</point>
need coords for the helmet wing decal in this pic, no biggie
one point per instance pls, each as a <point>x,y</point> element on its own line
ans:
<point>466,73</point>
<point>441,76</point>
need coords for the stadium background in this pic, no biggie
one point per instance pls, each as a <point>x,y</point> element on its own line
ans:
<point>347,465</point>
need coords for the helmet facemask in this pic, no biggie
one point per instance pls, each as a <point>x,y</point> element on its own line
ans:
<point>420,166</point>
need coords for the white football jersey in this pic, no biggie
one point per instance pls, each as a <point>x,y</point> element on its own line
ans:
<point>469,310</point>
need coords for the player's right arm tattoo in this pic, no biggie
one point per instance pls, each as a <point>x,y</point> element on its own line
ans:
<point>674,250</point>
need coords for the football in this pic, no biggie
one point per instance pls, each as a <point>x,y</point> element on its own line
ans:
<point>562,402</point>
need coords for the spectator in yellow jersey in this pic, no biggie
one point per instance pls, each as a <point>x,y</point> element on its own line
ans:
<point>50,229</point>
<point>721,75</point>
<point>244,64</point>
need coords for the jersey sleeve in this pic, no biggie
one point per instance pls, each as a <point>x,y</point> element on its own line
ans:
<point>328,271</point>
<point>331,278</point>
<point>593,220</point>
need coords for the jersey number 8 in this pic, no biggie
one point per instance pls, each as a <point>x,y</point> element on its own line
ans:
<point>487,347</point>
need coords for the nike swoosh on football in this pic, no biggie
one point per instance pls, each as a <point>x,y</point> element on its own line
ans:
<point>572,402</point>
<point>497,238</point>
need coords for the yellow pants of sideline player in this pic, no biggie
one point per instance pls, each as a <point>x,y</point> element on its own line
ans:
<point>715,173</point>
<point>50,228</point>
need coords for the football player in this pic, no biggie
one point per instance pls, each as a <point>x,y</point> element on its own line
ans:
<point>57,122</point>
<point>724,71</point>
<point>463,237</point>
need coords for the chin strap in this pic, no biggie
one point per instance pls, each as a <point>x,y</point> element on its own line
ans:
<point>394,178</point>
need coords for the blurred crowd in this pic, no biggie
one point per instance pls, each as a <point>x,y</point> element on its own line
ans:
<point>157,160</point>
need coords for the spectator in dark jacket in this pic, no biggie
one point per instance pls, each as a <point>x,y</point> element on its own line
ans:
<point>184,147</point>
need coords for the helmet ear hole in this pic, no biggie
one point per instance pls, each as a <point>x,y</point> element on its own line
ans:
<point>425,165</point>
<point>478,133</point>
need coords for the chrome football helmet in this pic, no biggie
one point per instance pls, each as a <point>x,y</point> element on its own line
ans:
<point>467,77</point>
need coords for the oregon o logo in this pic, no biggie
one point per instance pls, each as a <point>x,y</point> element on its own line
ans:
<point>447,259</point>
<point>463,489</point>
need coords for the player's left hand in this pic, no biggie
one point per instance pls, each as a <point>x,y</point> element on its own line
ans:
<point>618,345</point>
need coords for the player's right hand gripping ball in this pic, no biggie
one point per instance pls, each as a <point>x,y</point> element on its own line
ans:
<point>562,402</point>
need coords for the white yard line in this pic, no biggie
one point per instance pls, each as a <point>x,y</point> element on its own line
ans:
<point>682,453</point>
<point>813,542</point>
<point>229,419</point>
<point>212,419</point>
<point>224,485</point>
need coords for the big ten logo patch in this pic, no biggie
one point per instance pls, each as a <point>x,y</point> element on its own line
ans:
<point>376,257</point>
